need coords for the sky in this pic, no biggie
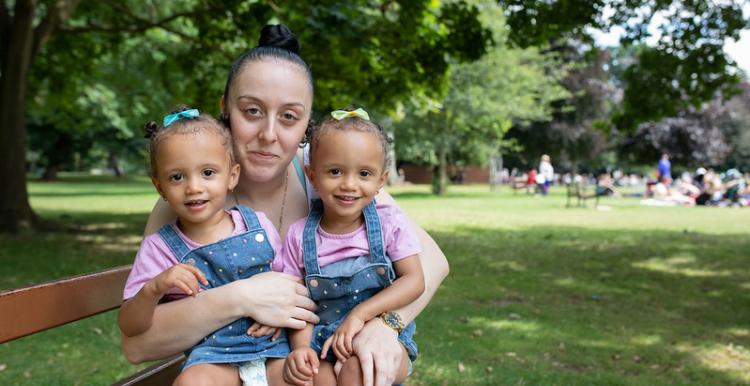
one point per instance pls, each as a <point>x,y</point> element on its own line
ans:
<point>738,50</point>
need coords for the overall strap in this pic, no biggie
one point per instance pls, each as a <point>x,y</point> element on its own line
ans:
<point>309,249</point>
<point>374,233</point>
<point>300,174</point>
<point>251,220</point>
<point>174,241</point>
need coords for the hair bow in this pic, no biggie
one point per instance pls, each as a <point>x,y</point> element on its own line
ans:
<point>187,114</point>
<point>342,114</point>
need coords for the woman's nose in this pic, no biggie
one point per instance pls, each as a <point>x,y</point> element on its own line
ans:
<point>268,131</point>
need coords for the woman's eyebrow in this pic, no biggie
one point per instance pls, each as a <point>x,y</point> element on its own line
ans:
<point>300,104</point>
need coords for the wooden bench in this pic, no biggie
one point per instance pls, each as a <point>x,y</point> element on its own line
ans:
<point>519,183</point>
<point>26,311</point>
<point>577,190</point>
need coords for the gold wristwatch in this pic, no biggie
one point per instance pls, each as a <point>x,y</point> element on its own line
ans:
<point>393,320</point>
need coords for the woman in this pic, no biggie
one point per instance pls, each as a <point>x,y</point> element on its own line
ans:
<point>268,103</point>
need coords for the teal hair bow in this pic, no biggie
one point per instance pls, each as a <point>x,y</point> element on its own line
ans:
<point>187,114</point>
<point>359,113</point>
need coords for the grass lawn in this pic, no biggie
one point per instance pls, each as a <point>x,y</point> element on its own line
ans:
<point>538,294</point>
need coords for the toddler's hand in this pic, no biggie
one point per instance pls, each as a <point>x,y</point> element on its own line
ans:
<point>301,366</point>
<point>183,276</point>
<point>258,330</point>
<point>341,340</point>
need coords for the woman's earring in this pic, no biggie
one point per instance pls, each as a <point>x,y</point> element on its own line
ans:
<point>164,198</point>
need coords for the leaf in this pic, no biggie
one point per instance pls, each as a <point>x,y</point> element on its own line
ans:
<point>461,367</point>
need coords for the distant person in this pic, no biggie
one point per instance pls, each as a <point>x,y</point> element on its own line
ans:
<point>664,170</point>
<point>605,186</point>
<point>547,172</point>
<point>531,181</point>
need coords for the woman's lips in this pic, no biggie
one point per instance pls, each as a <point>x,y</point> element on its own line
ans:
<point>263,155</point>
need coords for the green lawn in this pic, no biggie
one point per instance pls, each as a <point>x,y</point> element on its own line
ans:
<point>538,294</point>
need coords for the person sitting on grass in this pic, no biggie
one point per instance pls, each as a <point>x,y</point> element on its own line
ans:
<point>193,169</point>
<point>347,250</point>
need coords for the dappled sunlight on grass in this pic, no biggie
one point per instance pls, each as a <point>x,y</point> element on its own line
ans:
<point>681,265</point>
<point>738,332</point>
<point>646,340</point>
<point>732,360</point>
<point>504,325</point>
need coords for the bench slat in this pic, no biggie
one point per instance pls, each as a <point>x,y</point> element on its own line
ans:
<point>25,311</point>
<point>163,373</point>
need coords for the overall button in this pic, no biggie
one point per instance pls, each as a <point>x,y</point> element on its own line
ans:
<point>313,283</point>
<point>381,271</point>
<point>259,237</point>
<point>190,261</point>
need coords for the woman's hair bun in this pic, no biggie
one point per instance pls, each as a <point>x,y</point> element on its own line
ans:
<point>279,36</point>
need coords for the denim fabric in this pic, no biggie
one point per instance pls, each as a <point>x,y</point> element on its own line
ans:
<point>341,286</point>
<point>234,258</point>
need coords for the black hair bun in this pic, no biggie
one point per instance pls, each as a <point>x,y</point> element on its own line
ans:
<point>279,36</point>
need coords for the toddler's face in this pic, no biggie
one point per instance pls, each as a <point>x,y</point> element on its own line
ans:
<point>194,174</point>
<point>347,169</point>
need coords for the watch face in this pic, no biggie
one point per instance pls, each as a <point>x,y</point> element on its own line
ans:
<point>393,320</point>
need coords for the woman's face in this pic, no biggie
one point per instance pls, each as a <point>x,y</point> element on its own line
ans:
<point>269,106</point>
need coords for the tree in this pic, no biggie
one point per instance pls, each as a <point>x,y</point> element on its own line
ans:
<point>684,68</point>
<point>577,129</point>
<point>356,49</point>
<point>483,99</point>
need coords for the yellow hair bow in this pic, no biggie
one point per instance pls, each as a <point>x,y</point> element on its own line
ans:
<point>342,114</point>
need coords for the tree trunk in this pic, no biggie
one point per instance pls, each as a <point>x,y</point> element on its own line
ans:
<point>440,172</point>
<point>50,172</point>
<point>114,163</point>
<point>15,211</point>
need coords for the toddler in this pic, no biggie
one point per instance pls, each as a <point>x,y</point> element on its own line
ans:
<point>346,251</point>
<point>193,169</point>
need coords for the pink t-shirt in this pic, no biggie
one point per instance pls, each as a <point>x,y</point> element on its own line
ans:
<point>400,242</point>
<point>154,256</point>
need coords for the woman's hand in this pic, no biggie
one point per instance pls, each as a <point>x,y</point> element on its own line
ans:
<point>377,347</point>
<point>274,299</point>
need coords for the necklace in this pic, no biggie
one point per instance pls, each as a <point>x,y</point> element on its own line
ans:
<point>283,200</point>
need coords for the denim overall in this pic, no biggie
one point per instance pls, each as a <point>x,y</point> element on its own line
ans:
<point>234,258</point>
<point>340,286</point>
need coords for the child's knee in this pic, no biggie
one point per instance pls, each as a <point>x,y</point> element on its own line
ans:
<point>351,372</point>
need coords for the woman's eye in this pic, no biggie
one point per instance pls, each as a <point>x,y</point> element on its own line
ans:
<point>176,177</point>
<point>290,116</point>
<point>334,172</point>
<point>365,173</point>
<point>208,173</point>
<point>253,111</point>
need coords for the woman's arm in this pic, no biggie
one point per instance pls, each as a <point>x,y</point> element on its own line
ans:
<point>434,265</point>
<point>377,346</point>
<point>272,298</point>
